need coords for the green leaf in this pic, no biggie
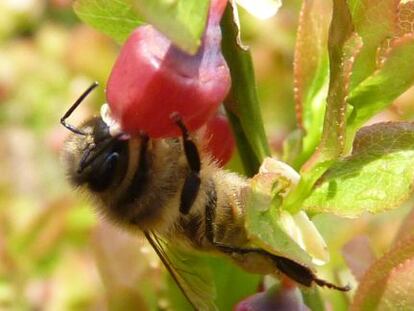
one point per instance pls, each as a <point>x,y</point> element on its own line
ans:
<point>182,21</point>
<point>175,296</point>
<point>243,102</point>
<point>293,148</point>
<point>343,45</point>
<point>313,299</point>
<point>226,275</point>
<point>311,73</point>
<point>374,21</point>
<point>389,283</point>
<point>377,91</point>
<point>248,157</point>
<point>377,176</point>
<point>293,202</point>
<point>114,18</point>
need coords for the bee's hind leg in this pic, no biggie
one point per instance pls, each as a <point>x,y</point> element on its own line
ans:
<point>297,272</point>
<point>302,274</point>
<point>192,182</point>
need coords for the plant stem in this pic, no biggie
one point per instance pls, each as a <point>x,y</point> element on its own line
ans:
<point>242,104</point>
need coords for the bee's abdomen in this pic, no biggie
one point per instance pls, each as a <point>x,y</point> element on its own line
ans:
<point>210,211</point>
<point>223,210</point>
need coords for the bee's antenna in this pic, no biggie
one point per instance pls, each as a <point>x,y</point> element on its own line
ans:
<point>72,109</point>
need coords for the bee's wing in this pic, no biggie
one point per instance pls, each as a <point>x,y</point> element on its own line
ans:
<point>190,275</point>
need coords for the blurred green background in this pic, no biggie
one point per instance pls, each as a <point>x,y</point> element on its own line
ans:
<point>55,252</point>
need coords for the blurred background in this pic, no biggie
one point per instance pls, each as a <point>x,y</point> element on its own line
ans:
<point>55,252</point>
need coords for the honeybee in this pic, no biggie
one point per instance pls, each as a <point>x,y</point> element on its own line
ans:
<point>175,195</point>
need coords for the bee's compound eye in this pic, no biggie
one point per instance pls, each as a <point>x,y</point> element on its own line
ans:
<point>104,174</point>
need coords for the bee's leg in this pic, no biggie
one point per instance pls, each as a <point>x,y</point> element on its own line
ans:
<point>302,274</point>
<point>192,181</point>
<point>297,272</point>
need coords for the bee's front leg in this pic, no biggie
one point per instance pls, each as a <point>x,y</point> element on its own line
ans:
<point>192,182</point>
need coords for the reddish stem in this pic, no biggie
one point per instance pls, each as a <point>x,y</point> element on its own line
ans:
<point>216,11</point>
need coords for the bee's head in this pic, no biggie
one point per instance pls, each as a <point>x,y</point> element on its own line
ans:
<point>92,156</point>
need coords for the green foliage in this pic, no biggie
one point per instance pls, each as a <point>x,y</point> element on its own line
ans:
<point>374,21</point>
<point>182,21</point>
<point>311,74</point>
<point>313,300</point>
<point>370,61</point>
<point>243,103</point>
<point>377,176</point>
<point>370,65</point>
<point>343,45</point>
<point>114,18</point>
<point>394,76</point>
<point>226,276</point>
